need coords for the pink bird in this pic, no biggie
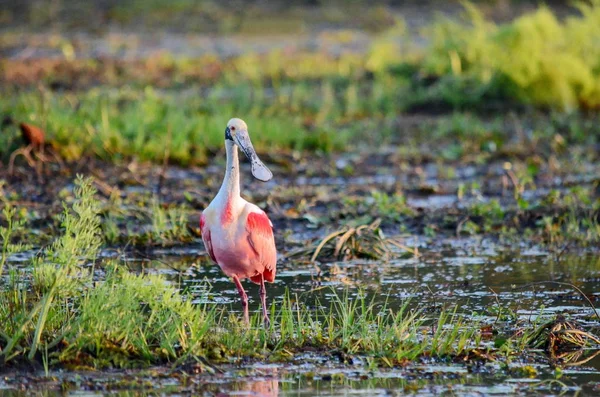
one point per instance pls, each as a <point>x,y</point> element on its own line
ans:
<point>237,234</point>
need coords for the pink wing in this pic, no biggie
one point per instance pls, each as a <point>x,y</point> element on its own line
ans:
<point>206,238</point>
<point>262,241</point>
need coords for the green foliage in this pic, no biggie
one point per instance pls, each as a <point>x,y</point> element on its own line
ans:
<point>134,316</point>
<point>313,100</point>
<point>145,220</point>
<point>143,124</point>
<point>536,58</point>
<point>58,271</point>
<point>170,223</point>
<point>130,320</point>
<point>81,238</point>
<point>63,265</point>
<point>387,207</point>
<point>492,210</point>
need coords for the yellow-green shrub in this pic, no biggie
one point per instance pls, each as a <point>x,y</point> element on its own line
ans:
<point>551,63</point>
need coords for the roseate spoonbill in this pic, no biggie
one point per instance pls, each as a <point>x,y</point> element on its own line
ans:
<point>238,235</point>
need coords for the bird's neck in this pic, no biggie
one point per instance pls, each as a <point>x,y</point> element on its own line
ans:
<point>230,189</point>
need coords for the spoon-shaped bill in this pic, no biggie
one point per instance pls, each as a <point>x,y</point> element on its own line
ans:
<point>259,170</point>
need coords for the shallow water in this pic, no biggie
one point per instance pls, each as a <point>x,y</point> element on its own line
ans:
<point>309,375</point>
<point>476,276</point>
<point>473,274</point>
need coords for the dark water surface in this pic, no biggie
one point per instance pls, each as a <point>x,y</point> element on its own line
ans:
<point>473,274</point>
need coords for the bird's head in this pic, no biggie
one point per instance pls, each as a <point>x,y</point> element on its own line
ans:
<point>237,133</point>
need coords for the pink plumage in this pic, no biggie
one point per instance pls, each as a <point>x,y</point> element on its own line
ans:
<point>247,246</point>
<point>238,235</point>
<point>262,241</point>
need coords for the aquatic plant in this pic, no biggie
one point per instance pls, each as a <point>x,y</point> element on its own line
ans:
<point>130,319</point>
<point>559,334</point>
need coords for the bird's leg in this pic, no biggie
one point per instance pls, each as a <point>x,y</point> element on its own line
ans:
<point>25,152</point>
<point>244,298</point>
<point>263,300</point>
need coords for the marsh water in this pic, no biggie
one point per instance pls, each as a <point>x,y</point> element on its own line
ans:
<point>479,277</point>
<point>472,274</point>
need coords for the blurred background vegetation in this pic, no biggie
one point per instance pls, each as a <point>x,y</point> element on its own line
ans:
<point>232,16</point>
<point>118,79</point>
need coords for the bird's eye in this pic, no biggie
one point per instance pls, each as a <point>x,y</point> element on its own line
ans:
<point>232,128</point>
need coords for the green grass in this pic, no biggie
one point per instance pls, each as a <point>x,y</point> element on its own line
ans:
<point>56,312</point>
<point>555,221</point>
<point>536,59</point>
<point>146,221</point>
<point>143,124</point>
<point>315,101</point>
